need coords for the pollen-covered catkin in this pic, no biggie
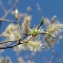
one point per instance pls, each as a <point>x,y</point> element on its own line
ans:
<point>11,27</point>
<point>26,25</point>
<point>12,32</point>
<point>55,28</point>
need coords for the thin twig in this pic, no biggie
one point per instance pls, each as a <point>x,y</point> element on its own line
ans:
<point>61,48</point>
<point>3,6</point>
<point>9,11</point>
<point>6,47</point>
<point>41,23</point>
<point>8,41</point>
<point>13,6</point>
<point>46,33</point>
<point>43,57</point>
<point>6,20</point>
<point>9,46</point>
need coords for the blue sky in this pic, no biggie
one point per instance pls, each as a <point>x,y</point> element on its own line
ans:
<point>49,8</point>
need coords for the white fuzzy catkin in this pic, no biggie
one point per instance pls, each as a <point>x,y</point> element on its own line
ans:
<point>12,32</point>
<point>26,25</point>
<point>11,27</point>
<point>22,47</point>
<point>55,28</point>
<point>35,45</point>
<point>49,41</point>
<point>31,45</point>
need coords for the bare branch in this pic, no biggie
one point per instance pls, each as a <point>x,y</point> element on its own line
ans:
<point>3,7</point>
<point>8,41</point>
<point>41,23</point>
<point>6,20</point>
<point>9,11</point>
<point>9,46</point>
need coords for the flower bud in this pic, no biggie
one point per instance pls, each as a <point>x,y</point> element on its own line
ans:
<point>16,14</point>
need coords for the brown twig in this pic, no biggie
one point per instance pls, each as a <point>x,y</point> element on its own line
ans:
<point>41,23</point>
<point>9,46</point>
<point>8,41</point>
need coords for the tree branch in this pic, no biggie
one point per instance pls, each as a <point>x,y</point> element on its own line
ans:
<point>6,20</point>
<point>41,23</point>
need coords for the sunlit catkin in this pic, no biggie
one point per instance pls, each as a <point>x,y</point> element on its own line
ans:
<point>26,25</point>
<point>55,28</point>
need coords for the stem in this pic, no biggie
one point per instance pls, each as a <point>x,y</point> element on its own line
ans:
<point>12,45</point>
<point>41,23</point>
<point>6,20</point>
<point>46,33</point>
<point>8,41</point>
<point>9,46</point>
